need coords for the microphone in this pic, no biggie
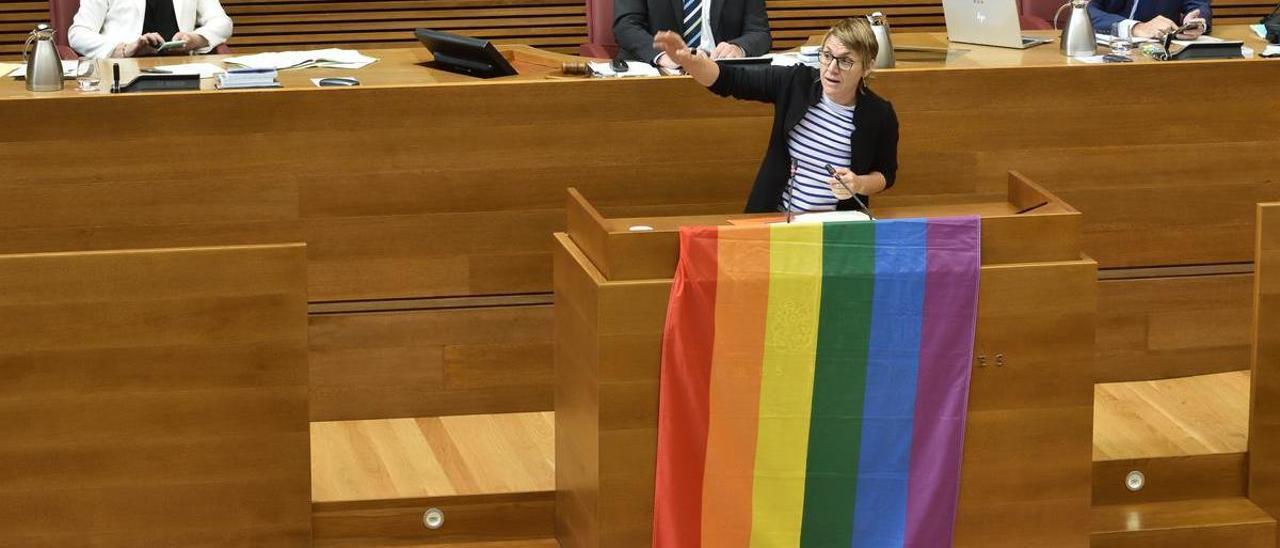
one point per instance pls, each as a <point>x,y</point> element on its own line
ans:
<point>861,204</point>
<point>115,77</point>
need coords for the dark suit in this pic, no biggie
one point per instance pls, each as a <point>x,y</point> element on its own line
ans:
<point>740,22</point>
<point>1105,14</point>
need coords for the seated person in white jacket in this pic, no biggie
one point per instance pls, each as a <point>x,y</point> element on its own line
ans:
<point>134,28</point>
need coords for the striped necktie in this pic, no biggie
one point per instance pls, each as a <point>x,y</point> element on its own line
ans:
<point>692,23</point>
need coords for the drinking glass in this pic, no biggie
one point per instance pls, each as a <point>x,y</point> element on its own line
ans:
<point>87,78</point>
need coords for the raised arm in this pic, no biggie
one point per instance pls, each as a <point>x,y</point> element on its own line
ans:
<point>700,67</point>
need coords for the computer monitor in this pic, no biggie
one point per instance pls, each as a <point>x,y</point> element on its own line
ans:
<point>463,54</point>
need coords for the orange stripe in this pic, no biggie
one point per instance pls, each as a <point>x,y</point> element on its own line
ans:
<point>742,298</point>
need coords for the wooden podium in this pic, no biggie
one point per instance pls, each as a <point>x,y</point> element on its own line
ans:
<point>1025,479</point>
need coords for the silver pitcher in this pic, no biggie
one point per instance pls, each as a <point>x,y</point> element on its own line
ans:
<point>44,67</point>
<point>884,52</point>
<point>1077,35</point>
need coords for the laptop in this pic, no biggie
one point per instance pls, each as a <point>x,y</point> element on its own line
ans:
<point>986,22</point>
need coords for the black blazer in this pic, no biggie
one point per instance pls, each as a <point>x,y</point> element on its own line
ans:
<point>793,90</point>
<point>740,22</point>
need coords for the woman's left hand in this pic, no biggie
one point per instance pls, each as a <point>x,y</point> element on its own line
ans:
<point>844,184</point>
<point>192,41</point>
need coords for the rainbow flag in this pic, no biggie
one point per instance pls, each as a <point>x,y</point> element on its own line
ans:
<point>814,384</point>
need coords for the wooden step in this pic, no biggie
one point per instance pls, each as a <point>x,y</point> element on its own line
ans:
<point>1235,522</point>
<point>1204,414</point>
<point>1171,478</point>
<point>492,476</point>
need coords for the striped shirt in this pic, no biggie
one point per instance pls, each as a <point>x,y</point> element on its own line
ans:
<point>824,136</point>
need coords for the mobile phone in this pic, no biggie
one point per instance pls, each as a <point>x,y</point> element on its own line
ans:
<point>170,45</point>
<point>1110,58</point>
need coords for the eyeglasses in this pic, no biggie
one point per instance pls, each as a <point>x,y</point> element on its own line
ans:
<point>843,63</point>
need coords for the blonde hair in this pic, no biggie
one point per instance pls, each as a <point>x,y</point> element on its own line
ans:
<point>856,35</point>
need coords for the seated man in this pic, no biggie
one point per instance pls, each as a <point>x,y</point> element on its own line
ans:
<point>1150,18</point>
<point>133,28</point>
<point>738,28</point>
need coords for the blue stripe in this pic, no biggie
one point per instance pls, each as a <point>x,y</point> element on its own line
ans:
<point>813,198</point>
<point>844,114</point>
<point>832,117</point>
<point>815,159</point>
<point>807,132</point>
<point>809,200</point>
<point>819,122</point>
<point>893,361</point>
<point>803,140</point>
<point>800,204</point>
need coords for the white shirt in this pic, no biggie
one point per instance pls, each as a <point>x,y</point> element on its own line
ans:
<point>100,25</point>
<point>707,41</point>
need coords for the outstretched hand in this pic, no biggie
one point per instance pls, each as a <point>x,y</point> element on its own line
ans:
<point>696,63</point>
<point>673,45</point>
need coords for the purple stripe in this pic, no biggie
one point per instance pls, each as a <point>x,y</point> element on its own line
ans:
<point>942,389</point>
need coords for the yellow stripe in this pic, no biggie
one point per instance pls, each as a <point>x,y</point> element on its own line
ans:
<point>786,384</point>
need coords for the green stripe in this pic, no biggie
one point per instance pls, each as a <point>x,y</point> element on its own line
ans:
<point>835,429</point>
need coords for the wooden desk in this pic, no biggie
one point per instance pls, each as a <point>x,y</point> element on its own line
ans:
<point>423,185</point>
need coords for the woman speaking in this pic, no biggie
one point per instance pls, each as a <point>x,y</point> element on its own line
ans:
<point>822,118</point>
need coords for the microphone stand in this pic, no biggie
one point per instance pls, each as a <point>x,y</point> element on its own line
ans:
<point>790,192</point>
<point>861,204</point>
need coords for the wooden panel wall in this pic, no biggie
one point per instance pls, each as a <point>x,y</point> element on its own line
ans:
<point>489,360</point>
<point>1155,328</point>
<point>558,25</point>
<point>154,398</point>
<point>1264,412</point>
<point>431,362</point>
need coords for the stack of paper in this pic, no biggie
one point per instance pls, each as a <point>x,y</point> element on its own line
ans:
<point>6,68</point>
<point>68,70</point>
<point>281,60</point>
<point>248,78</point>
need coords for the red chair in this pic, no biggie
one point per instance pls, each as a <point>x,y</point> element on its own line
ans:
<point>600,42</point>
<point>1038,14</point>
<point>62,12</point>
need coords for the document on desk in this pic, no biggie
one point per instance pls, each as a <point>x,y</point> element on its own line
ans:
<point>1106,39</point>
<point>282,60</point>
<point>6,68</point>
<point>68,70</point>
<point>634,69</point>
<point>205,70</point>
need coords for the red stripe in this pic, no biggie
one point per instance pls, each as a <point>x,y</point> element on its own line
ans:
<point>685,392</point>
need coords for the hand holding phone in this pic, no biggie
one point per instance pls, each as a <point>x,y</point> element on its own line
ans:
<point>172,44</point>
